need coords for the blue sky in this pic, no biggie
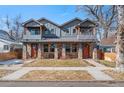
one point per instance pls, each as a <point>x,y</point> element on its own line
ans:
<point>56,13</point>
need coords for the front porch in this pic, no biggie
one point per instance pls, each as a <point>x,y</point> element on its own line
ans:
<point>58,50</point>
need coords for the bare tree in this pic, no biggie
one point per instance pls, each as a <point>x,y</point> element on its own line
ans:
<point>120,39</point>
<point>105,16</point>
<point>7,22</point>
<point>17,26</point>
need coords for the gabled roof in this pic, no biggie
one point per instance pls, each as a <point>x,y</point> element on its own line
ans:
<point>43,18</point>
<point>71,21</point>
<point>5,36</point>
<point>30,20</point>
<point>83,21</point>
<point>110,41</point>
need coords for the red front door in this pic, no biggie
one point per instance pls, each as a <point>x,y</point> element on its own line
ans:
<point>86,51</point>
<point>34,50</point>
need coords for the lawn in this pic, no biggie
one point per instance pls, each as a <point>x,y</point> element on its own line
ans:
<point>106,63</point>
<point>57,75</point>
<point>58,63</point>
<point>5,72</point>
<point>115,75</point>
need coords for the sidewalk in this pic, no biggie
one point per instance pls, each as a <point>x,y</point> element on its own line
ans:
<point>16,75</point>
<point>94,71</point>
<point>91,61</point>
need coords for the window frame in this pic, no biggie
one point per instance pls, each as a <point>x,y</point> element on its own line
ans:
<point>5,47</point>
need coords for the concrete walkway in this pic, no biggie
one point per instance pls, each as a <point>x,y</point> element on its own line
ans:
<point>16,75</point>
<point>94,71</point>
<point>91,61</point>
<point>99,75</point>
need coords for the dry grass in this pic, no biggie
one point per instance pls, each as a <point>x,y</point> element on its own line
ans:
<point>106,63</point>
<point>5,72</point>
<point>58,63</point>
<point>115,75</point>
<point>57,75</point>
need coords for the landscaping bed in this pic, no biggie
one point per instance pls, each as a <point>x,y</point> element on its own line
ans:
<point>106,63</point>
<point>115,75</point>
<point>58,63</point>
<point>57,75</point>
<point>4,72</point>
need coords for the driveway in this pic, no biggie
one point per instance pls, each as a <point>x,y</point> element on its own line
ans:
<point>11,62</point>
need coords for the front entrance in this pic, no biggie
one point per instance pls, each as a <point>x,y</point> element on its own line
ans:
<point>86,51</point>
<point>34,50</point>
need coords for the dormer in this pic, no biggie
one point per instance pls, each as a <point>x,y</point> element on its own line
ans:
<point>86,27</point>
<point>32,29</point>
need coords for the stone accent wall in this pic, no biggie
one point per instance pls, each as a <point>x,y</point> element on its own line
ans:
<point>95,53</point>
<point>80,51</point>
<point>63,51</point>
<point>56,52</point>
<point>39,51</point>
<point>29,50</point>
<point>24,52</point>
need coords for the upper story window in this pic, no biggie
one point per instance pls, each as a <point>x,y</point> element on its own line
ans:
<point>34,31</point>
<point>67,31</point>
<point>87,31</point>
<point>6,47</point>
<point>52,31</point>
<point>74,31</point>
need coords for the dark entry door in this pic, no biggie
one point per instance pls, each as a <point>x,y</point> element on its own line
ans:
<point>86,51</point>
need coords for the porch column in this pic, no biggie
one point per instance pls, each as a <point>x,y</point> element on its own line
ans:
<point>95,53</point>
<point>80,51</point>
<point>29,50</point>
<point>56,52</point>
<point>63,51</point>
<point>39,51</point>
<point>24,56</point>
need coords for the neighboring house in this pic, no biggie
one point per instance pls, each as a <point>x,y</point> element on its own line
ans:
<point>45,39</point>
<point>7,43</point>
<point>108,44</point>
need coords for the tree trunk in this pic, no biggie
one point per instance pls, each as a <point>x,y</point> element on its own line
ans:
<point>120,39</point>
<point>105,34</point>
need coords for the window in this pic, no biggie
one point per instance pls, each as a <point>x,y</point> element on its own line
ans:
<point>74,31</point>
<point>46,32</point>
<point>6,47</point>
<point>68,48</point>
<point>45,47</point>
<point>74,48</point>
<point>34,31</point>
<point>52,47</point>
<point>52,31</point>
<point>67,31</point>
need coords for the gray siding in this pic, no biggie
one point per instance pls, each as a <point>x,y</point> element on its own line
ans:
<point>51,26</point>
<point>70,26</point>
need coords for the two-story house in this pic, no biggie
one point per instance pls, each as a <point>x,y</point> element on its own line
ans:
<point>46,40</point>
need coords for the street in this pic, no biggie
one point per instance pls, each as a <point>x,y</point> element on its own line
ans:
<point>61,84</point>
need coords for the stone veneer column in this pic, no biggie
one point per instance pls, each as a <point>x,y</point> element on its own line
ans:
<point>56,52</point>
<point>80,51</point>
<point>29,50</point>
<point>63,51</point>
<point>95,53</point>
<point>24,54</point>
<point>39,51</point>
